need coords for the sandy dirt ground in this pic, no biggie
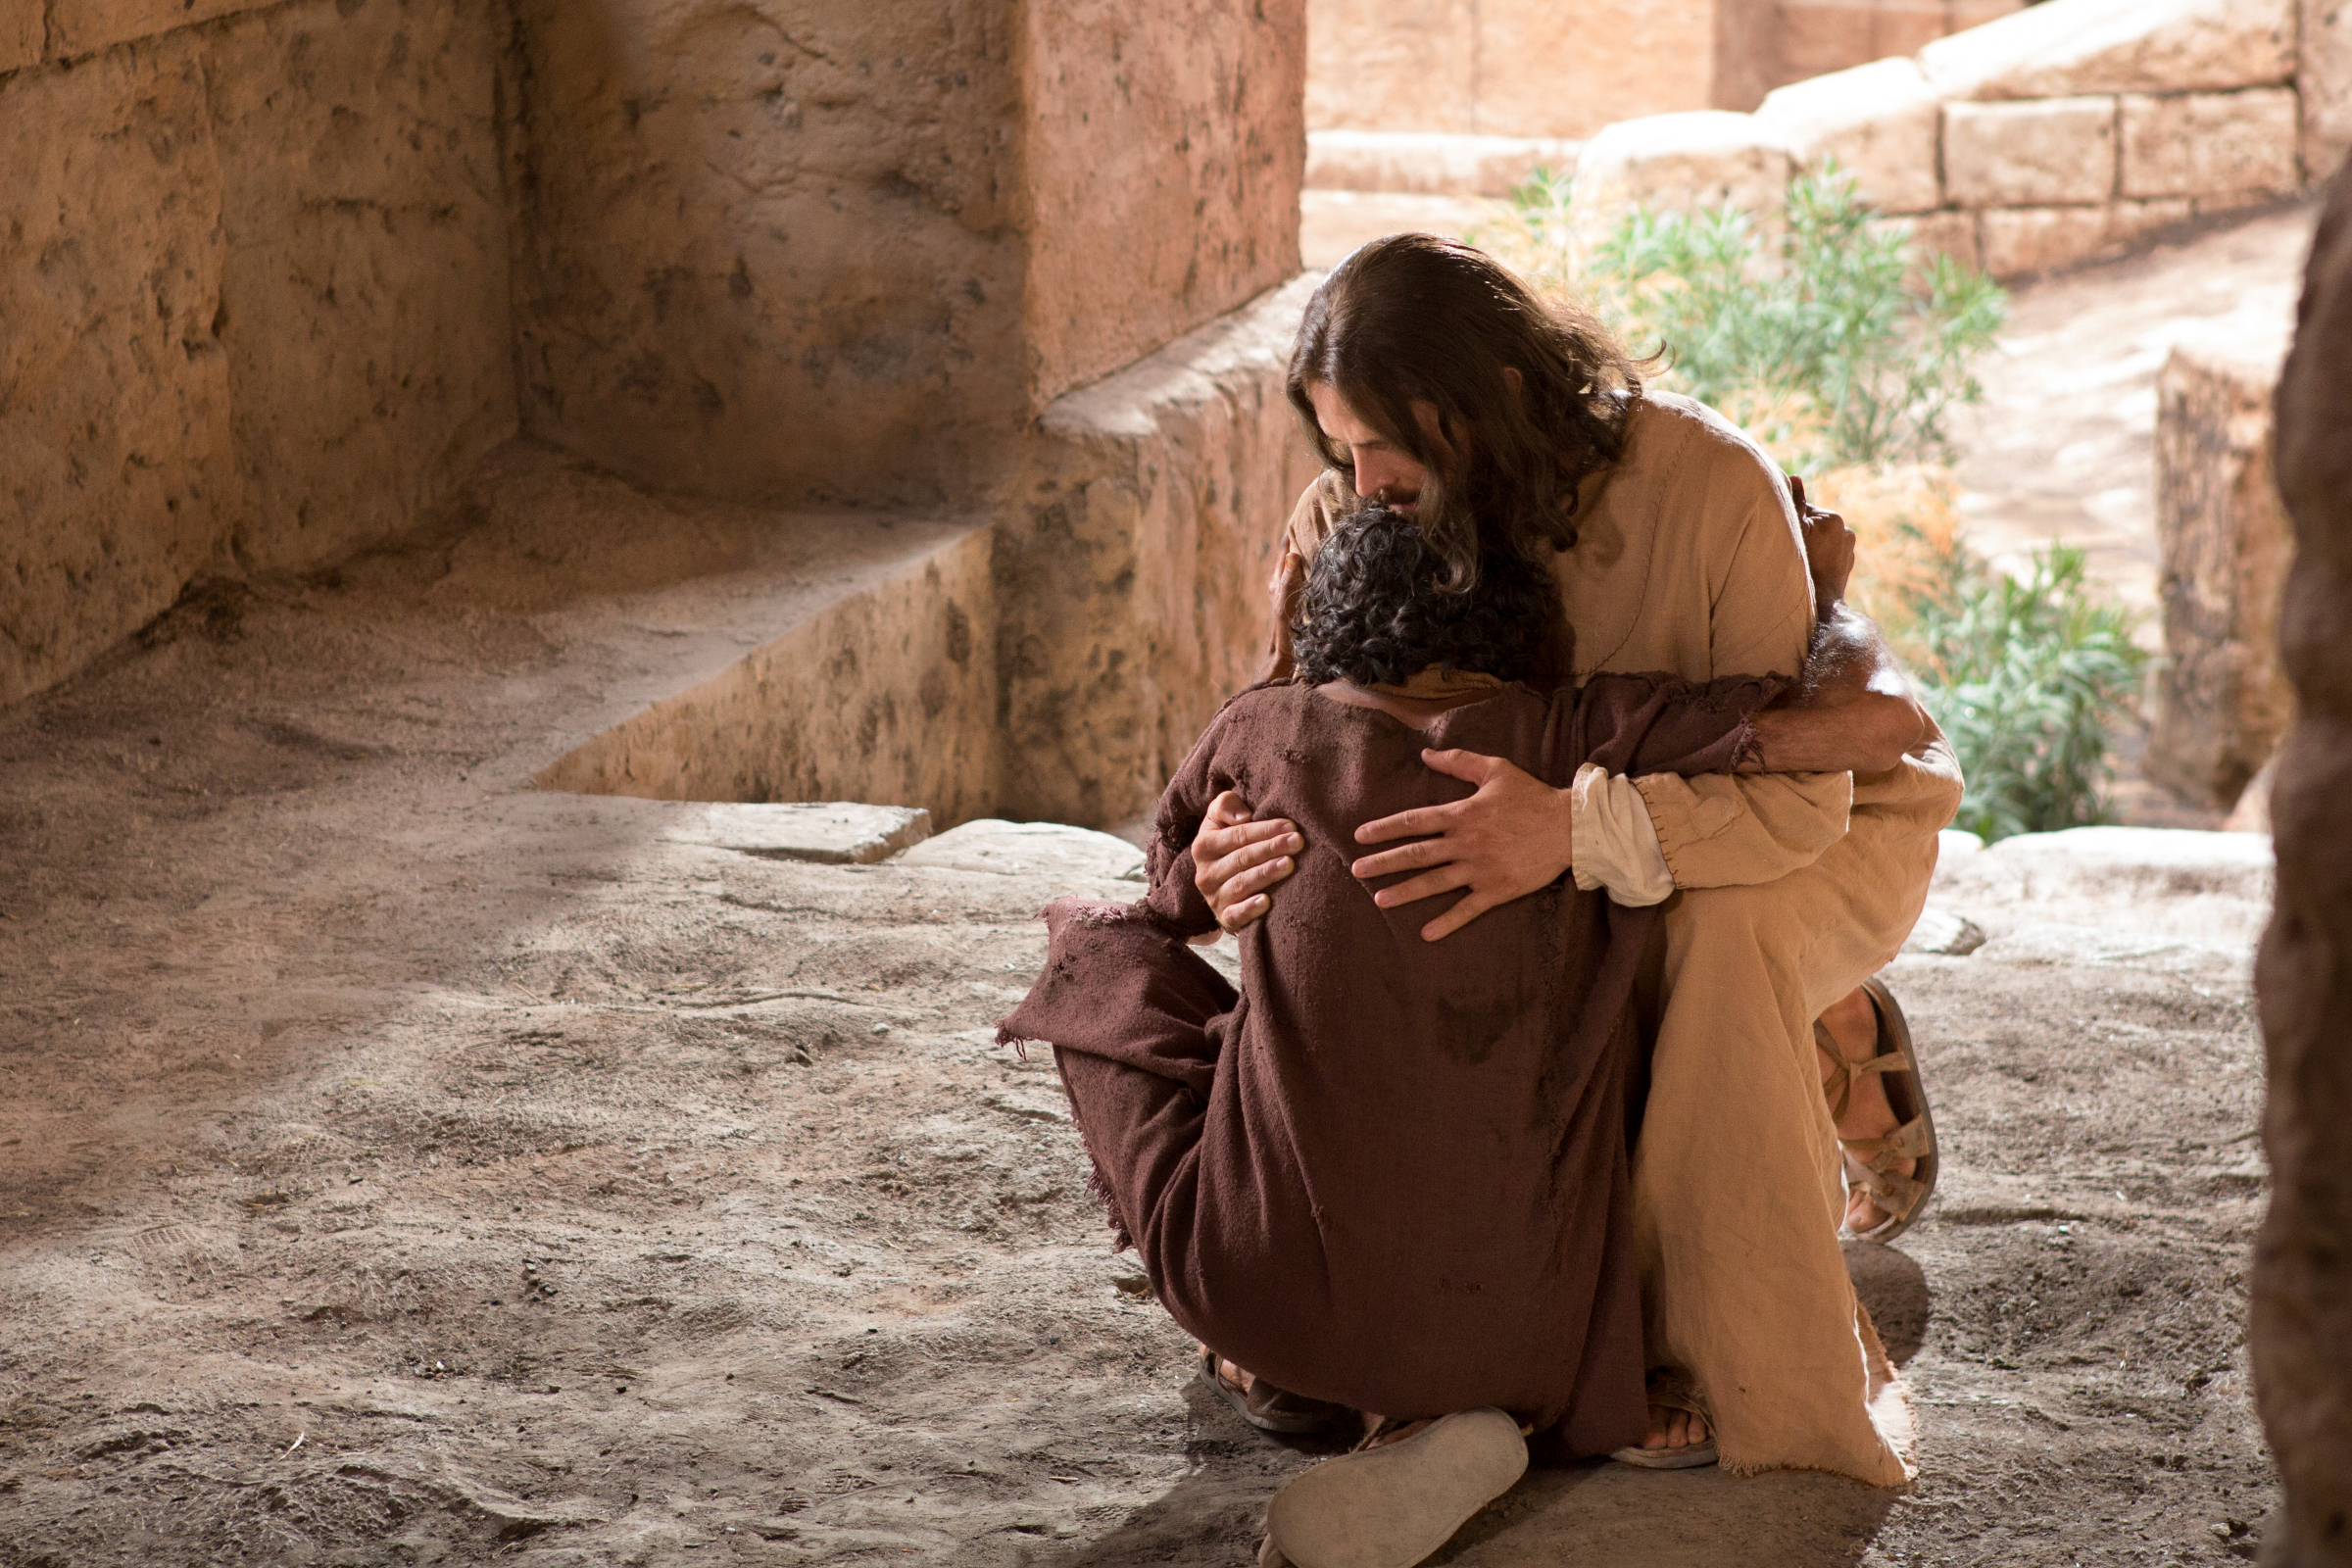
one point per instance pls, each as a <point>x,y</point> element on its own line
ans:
<point>401,1165</point>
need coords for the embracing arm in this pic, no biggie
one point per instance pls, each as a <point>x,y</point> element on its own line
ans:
<point>1850,709</point>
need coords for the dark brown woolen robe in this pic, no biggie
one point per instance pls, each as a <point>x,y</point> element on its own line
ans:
<point>1389,1172</point>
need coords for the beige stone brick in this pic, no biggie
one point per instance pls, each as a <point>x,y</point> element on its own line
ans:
<point>2070,48</point>
<point>1551,69</point>
<point>2225,546</point>
<point>2021,242</point>
<point>115,462</point>
<point>1429,165</point>
<point>2042,153</point>
<point>2323,78</point>
<point>1393,64</point>
<point>1878,122</point>
<point>1678,163</point>
<point>2201,143</point>
<point>1161,191</point>
<point>370,355</point>
<point>1945,233</point>
<point>80,27</point>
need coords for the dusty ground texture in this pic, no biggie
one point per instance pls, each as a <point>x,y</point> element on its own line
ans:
<point>398,1165</point>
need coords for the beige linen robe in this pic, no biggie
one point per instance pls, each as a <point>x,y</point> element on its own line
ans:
<point>1690,562</point>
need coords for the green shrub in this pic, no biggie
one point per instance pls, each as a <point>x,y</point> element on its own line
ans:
<point>2028,680</point>
<point>1836,341</point>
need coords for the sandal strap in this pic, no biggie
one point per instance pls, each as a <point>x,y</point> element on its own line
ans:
<point>1847,1072</point>
<point>1897,1195</point>
<point>1911,1141</point>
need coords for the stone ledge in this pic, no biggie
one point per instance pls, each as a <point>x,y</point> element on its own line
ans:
<point>1430,164</point>
<point>2069,48</point>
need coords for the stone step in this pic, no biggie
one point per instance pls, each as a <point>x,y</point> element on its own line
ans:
<point>1432,163</point>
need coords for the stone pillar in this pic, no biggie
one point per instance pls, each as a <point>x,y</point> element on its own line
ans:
<point>2222,700</point>
<point>2301,1321</point>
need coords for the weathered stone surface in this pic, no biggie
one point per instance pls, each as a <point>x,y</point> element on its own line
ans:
<point>820,832</point>
<point>2044,153</point>
<point>21,38</point>
<point>1952,234</point>
<point>2323,80</point>
<point>1945,934</point>
<point>1132,576</point>
<point>1879,122</point>
<point>115,452</point>
<point>2222,700</point>
<point>2209,144</point>
<point>2301,1316</point>
<point>2069,48</point>
<point>769,253</point>
<point>882,691</point>
<point>78,27</point>
<point>2019,242</point>
<point>1029,849</point>
<point>1164,150</point>
<point>1549,70</point>
<point>1431,164</point>
<point>1822,36</point>
<point>1679,162</point>
<point>1393,64</point>
<point>364,280</point>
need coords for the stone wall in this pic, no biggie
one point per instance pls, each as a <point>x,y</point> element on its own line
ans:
<point>1131,561</point>
<point>253,266</point>
<point>2301,1317</point>
<point>2222,699</point>
<point>850,250</point>
<point>1542,69</point>
<point>2052,137</point>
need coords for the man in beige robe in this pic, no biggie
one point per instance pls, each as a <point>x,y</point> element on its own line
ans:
<point>1688,560</point>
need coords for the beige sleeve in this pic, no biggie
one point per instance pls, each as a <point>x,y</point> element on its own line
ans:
<point>1614,846</point>
<point>1733,829</point>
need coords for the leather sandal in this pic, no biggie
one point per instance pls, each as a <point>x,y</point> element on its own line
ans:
<point>1870,1161</point>
<point>1269,1408</point>
<point>1673,1390</point>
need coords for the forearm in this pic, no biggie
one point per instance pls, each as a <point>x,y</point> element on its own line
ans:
<point>1851,710</point>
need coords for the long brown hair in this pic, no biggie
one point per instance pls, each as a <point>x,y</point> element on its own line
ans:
<point>1414,317</point>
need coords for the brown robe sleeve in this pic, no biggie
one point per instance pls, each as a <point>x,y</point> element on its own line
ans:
<point>1658,724</point>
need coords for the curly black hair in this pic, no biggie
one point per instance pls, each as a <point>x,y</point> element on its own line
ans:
<point>1374,610</point>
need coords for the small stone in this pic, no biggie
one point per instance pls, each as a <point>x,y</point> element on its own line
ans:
<point>881,1029</point>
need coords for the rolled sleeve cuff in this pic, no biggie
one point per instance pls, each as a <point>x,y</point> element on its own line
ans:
<point>1616,846</point>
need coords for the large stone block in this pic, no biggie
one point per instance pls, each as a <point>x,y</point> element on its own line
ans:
<point>769,252</point>
<point>2323,79</point>
<point>1551,69</point>
<point>1131,573</point>
<point>2021,242</point>
<point>2057,150</point>
<point>2070,48</point>
<point>1879,123</point>
<point>1393,64</point>
<point>2222,699</point>
<point>2211,143</point>
<point>115,457</point>
<point>1822,36</point>
<point>1165,146</point>
<point>364,286</point>
<point>78,27</point>
<point>1678,163</point>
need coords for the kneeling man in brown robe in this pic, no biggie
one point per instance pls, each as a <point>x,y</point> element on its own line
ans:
<point>1389,1173</point>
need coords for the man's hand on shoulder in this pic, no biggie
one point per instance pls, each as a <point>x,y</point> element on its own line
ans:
<point>1828,550</point>
<point>1235,860</point>
<point>1514,836</point>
